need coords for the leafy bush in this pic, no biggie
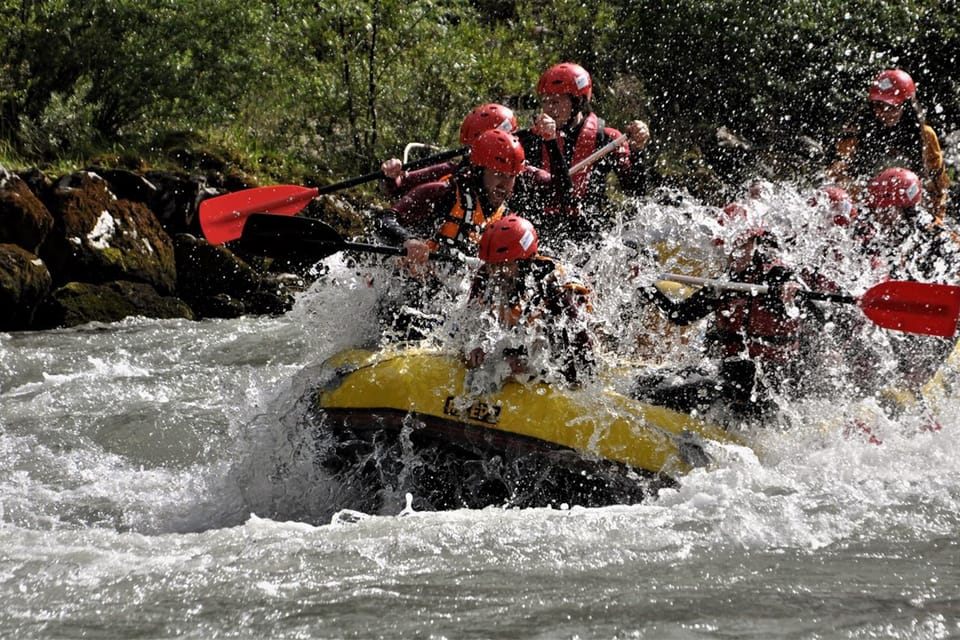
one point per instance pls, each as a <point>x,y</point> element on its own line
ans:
<point>64,128</point>
<point>338,85</point>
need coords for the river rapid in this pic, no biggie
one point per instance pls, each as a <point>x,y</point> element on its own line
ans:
<point>153,484</point>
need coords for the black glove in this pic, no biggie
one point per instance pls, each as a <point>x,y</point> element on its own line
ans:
<point>648,295</point>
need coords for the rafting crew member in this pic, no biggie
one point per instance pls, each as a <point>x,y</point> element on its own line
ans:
<point>531,195</point>
<point>753,343</point>
<point>450,213</point>
<point>902,241</point>
<point>534,313</point>
<point>565,92</point>
<point>397,182</point>
<point>891,130</point>
<point>445,219</point>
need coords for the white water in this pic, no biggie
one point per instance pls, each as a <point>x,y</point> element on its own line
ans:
<point>152,485</point>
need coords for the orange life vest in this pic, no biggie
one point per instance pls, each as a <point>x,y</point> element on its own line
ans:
<point>464,223</point>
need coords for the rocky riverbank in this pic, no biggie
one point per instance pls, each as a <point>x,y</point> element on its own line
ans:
<point>105,244</point>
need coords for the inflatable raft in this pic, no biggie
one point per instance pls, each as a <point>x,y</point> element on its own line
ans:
<point>393,422</point>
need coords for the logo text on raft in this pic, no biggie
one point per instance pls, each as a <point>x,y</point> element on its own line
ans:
<point>481,411</point>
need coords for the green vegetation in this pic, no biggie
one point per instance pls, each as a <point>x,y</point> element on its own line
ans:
<point>323,90</point>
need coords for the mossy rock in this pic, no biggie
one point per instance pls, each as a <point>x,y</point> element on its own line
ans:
<point>24,281</point>
<point>24,220</point>
<point>81,302</point>
<point>100,238</point>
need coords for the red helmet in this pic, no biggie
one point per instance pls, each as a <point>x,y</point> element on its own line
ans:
<point>730,213</point>
<point>894,187</point>
<point>498,150</point>
<point>509,238</point>
<point>733,211</point>
<point>484,118</point>
<point>892,87</point>
<point>837,202</point>
<point>566,78</point>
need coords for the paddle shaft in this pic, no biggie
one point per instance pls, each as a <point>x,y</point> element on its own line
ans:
<point>755,289</point>
<point>725,285</point>
<point>923,308</point>
<point>599,153</point>
<point>274,234</point>
<point>410,166</point>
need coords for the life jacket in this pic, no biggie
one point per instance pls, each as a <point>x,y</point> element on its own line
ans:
<point>551,285</point>
<point>756,326</point>
<point>911,248</point>
<point>585,144</point>
<point>462,226</point>
<point>868,148</point>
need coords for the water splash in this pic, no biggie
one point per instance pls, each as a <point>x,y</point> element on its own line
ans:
<point>159,426</point>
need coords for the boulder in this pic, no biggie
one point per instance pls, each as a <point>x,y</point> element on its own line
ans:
<point>24,281</point>
<point>126,184</point>
<point>172,196</point>
<point>217,283</point>
<point>77,303</point>
<point>105,238</point>
<point>177,200</point>
<point>24,220</point>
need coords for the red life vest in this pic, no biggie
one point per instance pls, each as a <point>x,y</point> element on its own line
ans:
<point>756,327</point>
<point>585,144</point>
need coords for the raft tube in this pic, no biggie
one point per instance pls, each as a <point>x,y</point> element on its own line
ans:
<point>588,446</point>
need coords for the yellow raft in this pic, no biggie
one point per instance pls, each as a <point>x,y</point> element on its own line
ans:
<point>585,446</point>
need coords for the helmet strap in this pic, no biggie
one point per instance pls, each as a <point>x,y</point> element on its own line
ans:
<point>576,118</point>
<point>580,105</point>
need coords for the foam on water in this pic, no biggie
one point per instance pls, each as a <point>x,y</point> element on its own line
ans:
<point>172,426</point>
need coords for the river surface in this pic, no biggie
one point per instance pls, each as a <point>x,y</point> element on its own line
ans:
<point>152,486</point>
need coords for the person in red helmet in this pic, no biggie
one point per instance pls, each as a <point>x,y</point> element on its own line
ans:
<point>451,212</point>
<point>534,314</point>
<point>891,130</point>
<point>900,237</point>
<point>444,219</point>
<point>900,240</point>
<point>482,118</point>
<point>535,188</point>
<point>754,343</point>
<point>486,117</point>
<point>566,92</point>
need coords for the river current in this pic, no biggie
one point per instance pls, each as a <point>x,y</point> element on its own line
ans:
<point>152,485</point>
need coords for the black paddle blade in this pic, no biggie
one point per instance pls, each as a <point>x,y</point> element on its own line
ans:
<point>301,240</point>
<point>291,238</point>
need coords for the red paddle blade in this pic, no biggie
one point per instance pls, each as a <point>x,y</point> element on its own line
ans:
<point>914,307</point>
<point>222,217</point>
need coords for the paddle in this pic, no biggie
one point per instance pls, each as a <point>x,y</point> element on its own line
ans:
<point>923,308</point>
<point>599,153</point>
<point>307,239</point>
<point>222,217</point>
